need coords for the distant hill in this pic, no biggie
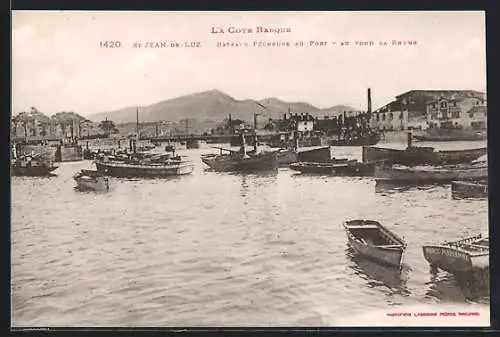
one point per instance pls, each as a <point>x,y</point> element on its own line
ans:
<point>213,105</point>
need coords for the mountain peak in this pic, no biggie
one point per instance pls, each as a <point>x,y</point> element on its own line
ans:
<point>207,105</point>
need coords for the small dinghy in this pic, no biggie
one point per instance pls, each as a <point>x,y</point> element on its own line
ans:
<point>91,180</point>
<point>372,240</point>
<point>462,256</point>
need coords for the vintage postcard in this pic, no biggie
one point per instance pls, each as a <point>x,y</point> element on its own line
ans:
<point>249,169</point>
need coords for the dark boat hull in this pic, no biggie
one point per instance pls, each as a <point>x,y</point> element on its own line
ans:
<point>352,169</point>
<point>319,155</point>
<point>33,171</point>
<point>421,155</point>
<point>227,163</point>
<point>452,135</point>
<point>469,189</point>
<point>287,157</point>
<point>122,170</point>
<point>427,174</point>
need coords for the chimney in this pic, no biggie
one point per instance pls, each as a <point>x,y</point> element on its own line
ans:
<point>369,100</point>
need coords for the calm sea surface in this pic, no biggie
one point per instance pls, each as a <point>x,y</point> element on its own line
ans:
<point>219,249</point>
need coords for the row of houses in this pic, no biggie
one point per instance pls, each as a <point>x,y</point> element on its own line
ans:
<point>36,125</point>
<point>422,109</point>
<point>415,109</point>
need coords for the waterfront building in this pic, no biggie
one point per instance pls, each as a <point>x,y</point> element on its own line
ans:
<point>409,110</point>
<point>457,112</point>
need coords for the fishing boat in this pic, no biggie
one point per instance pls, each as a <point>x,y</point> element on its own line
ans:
<point>418,155</point>
<point>469,189</point>
<point>91,180</point>
<point>232,160</point>
<point>236,162</point>
<point>447,135</point>
<point>32,165</point>
<point>338,167</point>
<point>374,241</point>
<point>460,256</point>
<point>420,174</point>
<point>144,165</point>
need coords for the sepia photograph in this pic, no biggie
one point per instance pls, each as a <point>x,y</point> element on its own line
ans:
<point>249,169</point>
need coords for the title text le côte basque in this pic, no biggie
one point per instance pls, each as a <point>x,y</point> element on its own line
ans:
<point>256,30</point>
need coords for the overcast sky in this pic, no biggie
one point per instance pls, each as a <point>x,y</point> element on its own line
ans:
<point>58,64</point>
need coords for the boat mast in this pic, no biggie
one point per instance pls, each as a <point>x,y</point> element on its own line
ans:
<point>243,148</point>
<point>255,132</point>
<point>137,123</point>
<point>136,130</point>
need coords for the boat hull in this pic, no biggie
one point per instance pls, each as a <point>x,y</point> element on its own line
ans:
<point>122,170</point>
<point>319,155</point>
<point>394,173</point>
<point>264,162</point>
<point>33,171</point>
<point>375,242</point>
<point>390,257</point>
<point>443,135</point>
<point>421,155</point>
<point>453,260</point>
<point>100,184</point>
<point>356,169</point>
<point>287,157</point>
<point>466,189</point>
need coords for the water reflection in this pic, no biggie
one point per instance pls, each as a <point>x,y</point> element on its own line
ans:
<point>473,287</point>
<point>377,275</point>
<point>257,179</point>
<point>389,187</point>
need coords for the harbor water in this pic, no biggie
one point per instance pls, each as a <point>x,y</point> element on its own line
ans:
<point>222,249</point>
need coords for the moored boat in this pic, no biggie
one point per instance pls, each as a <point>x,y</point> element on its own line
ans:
<point>32,165</point>
<point>462,256</point>
<point>374,241</point>
<point>469,189</point>
<point>241,160</point>
<point>338,167</point>
<point>234,161</point>
<point>420,174</point>
<point>126,170</point>
<point>418,155</point>
<point>143,165</point>
<point>448,135</point>
<point>91,180</point>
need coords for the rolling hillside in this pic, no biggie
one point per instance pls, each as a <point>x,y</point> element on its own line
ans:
<point>212,105</point>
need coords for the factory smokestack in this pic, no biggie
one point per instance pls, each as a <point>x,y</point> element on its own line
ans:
<point>369,110</point>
